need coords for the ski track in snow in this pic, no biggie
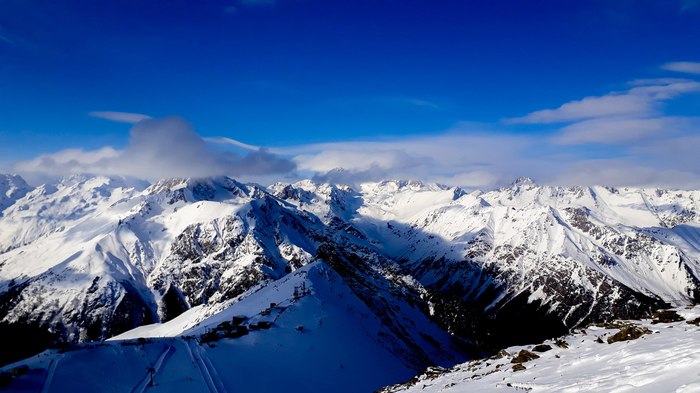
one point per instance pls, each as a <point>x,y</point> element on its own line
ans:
<point>211,370</point>
<point>50,373</point>
<point>209,374</point>
<point>162,360</point>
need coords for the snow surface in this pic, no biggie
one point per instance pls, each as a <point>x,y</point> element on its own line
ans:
<point>668,360</point>
<point>74,251</point>
<point>326,340</point>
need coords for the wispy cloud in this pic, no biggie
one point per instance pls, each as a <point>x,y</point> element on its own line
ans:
<point>687,5</point>
<point>257,2</point>
<point>590,107</point>
<point>622,138</point>
<point>630,125</point>
<point>5,37</point>
<point>622,130</point>
<point>423,103</point>
<point>399,102</point>
<point>469,155</point>
<point>641,145</point>
<point>121,117</point>
<point>7,40</point>
<point>233,142</point>
<point>626,172</point>
<point>641,100</point>
<point>687,67</point>
<point>235,6</point>
<point>488,160</point>
<point>403,101</point>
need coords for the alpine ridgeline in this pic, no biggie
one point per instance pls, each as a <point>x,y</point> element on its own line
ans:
<point>429,274</point>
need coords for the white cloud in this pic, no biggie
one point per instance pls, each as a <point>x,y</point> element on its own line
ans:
<point>621,130</point>
<point>640,101</point>
<point>464,156</point>
<point>158,148</point>
<point>72,156</point>
<point>666,89</point>
<point>621,172</point>
<point>683,66</point>
<point>488,160</point>
<point>643,146</point>
<point>470,156</point>
<point>680,151</point>
<point>648,148</point>
<point>590,107</point>
<point>122,117</point>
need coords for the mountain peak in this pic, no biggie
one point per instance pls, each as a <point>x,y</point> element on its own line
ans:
<point>523,181</point>
<point>11,181</point>
<point>12,188</point>
<point>196,189</point>
<point>405,185</point>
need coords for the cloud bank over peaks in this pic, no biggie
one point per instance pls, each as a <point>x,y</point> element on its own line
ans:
<point>621,138</point>
<point>157,148</point>
<point>468,155</point>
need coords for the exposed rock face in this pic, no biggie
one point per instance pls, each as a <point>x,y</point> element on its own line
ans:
<point>665,316</point>
<point>524,356</point>
<point>628,332</point>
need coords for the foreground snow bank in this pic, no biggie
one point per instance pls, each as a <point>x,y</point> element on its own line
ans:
<point>665,360</point>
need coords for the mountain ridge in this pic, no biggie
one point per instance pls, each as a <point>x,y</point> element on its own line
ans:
<point>108,255</point>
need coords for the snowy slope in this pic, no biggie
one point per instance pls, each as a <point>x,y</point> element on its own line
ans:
<point>142,257</point>
<point>105,258</point>
<point>445,272</point>
<point>322,338</point>
<point>667,359</point>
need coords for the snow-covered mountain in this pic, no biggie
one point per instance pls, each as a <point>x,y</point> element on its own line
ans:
<point>428,274</point>
<point>97,258</point>
<point>12,187</point>
<point>525,253</point>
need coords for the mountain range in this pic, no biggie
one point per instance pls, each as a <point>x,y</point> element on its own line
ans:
<point>365,285</point>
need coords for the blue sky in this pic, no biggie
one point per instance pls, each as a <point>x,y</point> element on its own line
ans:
<point>310,79</point>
